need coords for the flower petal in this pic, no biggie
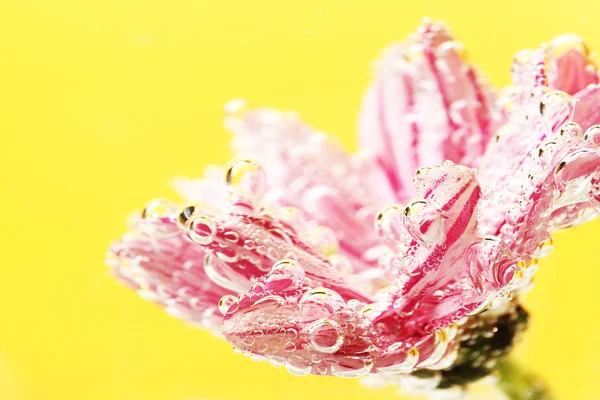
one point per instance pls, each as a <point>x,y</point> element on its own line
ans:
<point>308,170</point>
<point>313,330</point>
<point>443,268</point>
<point>542,170</point>
<point>168,270</point>
<point>426,104</point>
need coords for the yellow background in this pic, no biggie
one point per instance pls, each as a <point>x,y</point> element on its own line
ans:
<point>102,102</point>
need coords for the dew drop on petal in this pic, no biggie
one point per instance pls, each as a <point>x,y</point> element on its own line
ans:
<point>186,215</point>
<point>424,223</point>
<point>555,108</point>
<point>202,229</point>
<point>389,223</point>
<point>285,274</point>
<point>326,336</point>
<point>228,303</point>
<point>246,182</point>
<point>441,345</point>
<point>405,366</point>
<point>158,218</point>
<point>544,249</point>
<point>351,368</point>
<point>592,135</point>
<point>319,303</point>
<point>298,367</point>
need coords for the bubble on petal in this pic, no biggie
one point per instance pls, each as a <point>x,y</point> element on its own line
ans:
<point>555,108</point>
<point>285,274</point>
<point>389,223</point>
<point>441,345</point>
<point>351,368</point>
<point>158,218</point>
<point>424,223</point>
<point>326,336</point>
<point>592,135</point>
<point>246,182</point>
<point>406,365</point>
<point>320,302</point>
<point>228,303</point>
<point>202,229</point>
<point>298,367</point>
<point>544,249</point>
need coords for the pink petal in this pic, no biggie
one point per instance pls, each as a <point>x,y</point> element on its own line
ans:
<point>167,269</point>
<point>310,171</point>
<point>426,104</point>
<point>288,320</point>
<point>313,330</point>
<point>542,171</point>
<point>443,269</point>
<point>571,64</point>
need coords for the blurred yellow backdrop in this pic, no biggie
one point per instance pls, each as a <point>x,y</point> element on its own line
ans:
<point>102,102</point>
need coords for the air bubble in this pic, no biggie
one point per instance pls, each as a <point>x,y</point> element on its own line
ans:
<point>404,367</point>
<point>555,108</point>
<point>544,249</point>
<point>285,274</point>
<point>246,182</point>
<point>592,135</point>
<point>228,303</point>
<point>319,303</point>
<point>202,230</point>
<point>351,368</point>
<point>158,218</point>
<point>424,223</point>
<point>326,336</point>
<point>389,223</point>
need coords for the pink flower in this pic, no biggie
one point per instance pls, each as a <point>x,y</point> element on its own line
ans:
<point>314,265</point>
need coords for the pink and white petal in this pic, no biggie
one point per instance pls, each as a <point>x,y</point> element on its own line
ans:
<point>426,104</point>
<point>310,171</point>
<point>313,330</point>
<point>243,246</point>
<point>435,286</point>
<point>571,65</point>
<point>168,270</point>
<point>549,170</point>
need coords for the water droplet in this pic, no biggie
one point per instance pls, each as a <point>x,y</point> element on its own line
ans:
<point>424,223</point>
<point>228,303</point>
<point>326,336</point>
<point>299,368</point>
<point>202,230</point>
<point>544,249</point>
<point>570,130</point>
<point>555,108</point>
<point>486,192</point>
<point>491,264</point>
<point>389,224</point>
<point>441,345</point>
<point>186,215</point>
<point>215,271</point>
<point>246,183</point>
<point>351,368</point>
<point>592,135</point>
<point>285,275</point>
<point>158,218</point>
<point>405,366</point>
<point>319,303</point>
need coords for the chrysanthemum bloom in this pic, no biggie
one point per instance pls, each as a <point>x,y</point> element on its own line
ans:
<point>403,262</point>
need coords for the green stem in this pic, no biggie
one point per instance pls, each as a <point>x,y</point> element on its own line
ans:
<point>519,384</point>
